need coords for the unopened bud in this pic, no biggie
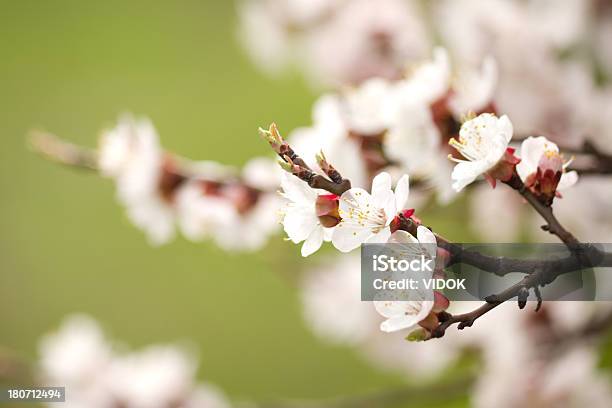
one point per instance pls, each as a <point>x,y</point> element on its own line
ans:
<point>285,166</point>
<point>419,334</point>
<point>272,136</point>
<point>321,159</point>
<point>327,209</point>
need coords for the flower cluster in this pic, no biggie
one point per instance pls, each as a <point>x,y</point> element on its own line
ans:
<point>95,374</point>
<point>399,126</point>
<point>550,51</point>
<point>204,199</point>
<point>358,216</point>
<point>337,42</point>
<point>483,142</point>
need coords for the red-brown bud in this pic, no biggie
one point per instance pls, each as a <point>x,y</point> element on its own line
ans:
<point>327,209</point>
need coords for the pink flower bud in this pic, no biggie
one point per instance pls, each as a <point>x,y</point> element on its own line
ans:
<point>326,207</point>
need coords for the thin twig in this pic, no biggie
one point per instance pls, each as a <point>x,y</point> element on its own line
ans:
<point>295,165</point>
<point>60,151</point>
<point>552,224</point>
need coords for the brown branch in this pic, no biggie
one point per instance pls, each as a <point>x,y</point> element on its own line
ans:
<point>552,224</point>
<point>55,149</point>
<point>503,265</point>
<point>540,273</point>
<point>600,162</point>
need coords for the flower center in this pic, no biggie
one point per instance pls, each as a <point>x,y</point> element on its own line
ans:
<point>472,147</point>
<point>366,217</point>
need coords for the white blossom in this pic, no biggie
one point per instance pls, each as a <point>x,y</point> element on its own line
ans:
<point>131,155</point>
<point>250,231</point>
<point>366,216</point>
<point>97,375</point>
<point>365,106</point>
<point>551,99</point>
<point>533,151</point>
<point>332,303</point>
<point>331,296</point>
<point>426,83</point>
<point>366,39</point>
<point>406,314</point>
<point>262,173</point>
<point>200,215</point>
<point>474,89</point>
<point>76,353</point>
<point>483,142</point>
<point>300,219</point>
<point>571,381</point>
<point>413,140</point>
<point>207,396</point>
<point>156,377</point>
<point>330,133</point>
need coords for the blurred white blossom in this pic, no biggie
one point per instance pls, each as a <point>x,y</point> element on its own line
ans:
<point>331,296</point>
<point>96,374</point>
<point>130,154</point>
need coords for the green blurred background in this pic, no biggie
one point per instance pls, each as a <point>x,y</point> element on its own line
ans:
<point>71,67</point>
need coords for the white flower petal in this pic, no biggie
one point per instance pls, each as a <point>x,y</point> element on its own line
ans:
<point>313,242</point>
<point>381,183</point>
<point>297,190</point>
<point>402,237</point>
<point>402,314</point>
<point>398,323</point>
<point>532,150</point>
<point>425,236</point>
<point>465,173</point>
<point>347,237</point>
<point>568,179</point>
<point>402,190</point>
<point>380,237</point>
<point>353,199</point>
<point>299,223</point>
<point>505,128</point>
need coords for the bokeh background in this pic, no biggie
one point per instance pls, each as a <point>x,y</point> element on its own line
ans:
<point>71,67</point>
